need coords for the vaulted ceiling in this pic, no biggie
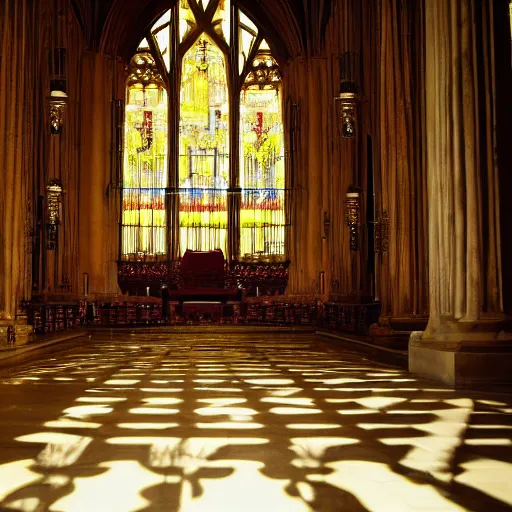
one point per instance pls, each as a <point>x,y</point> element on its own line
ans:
<point>116,26</point>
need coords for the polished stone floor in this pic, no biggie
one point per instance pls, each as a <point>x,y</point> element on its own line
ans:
<point>255,422</point>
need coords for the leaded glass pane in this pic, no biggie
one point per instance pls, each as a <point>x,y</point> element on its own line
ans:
<point>187,20</point>
<point>145,163</point>
<point>163,20</point>
<point>144,45</point>
<point>222,20</point>
<point>204,141</point>
<point>264,45</point>
<point>249,25</point>
<point>262,216</point>
<point>204,4</point>
<point>162,39</point>
<point>204,148</point>
<point>246,40</point>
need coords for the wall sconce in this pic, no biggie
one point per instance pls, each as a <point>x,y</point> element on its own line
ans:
<point>349,93</point>
<point>382,232</point>
<point>53,206</point>
<point>352,215</point>
<point>58,97</point>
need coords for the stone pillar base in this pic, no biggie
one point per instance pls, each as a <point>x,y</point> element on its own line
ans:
<point>462,364</point>
<point>15,332</point>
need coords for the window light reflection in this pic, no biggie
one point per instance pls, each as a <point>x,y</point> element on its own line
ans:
<point>82,411</point>
<point>270,382</point>
<point>97,399</point>
<point>294,410</point>
<point>122,382</point>
<point>16,475</point>
<point>161,390</point>
<point>219,390</point>
<point>153,410</point>
<point>489,476</point>
<point>231,411</point>
<point>351,412</point>
<point>95,493</point>
<point>222,425</point>
<point>162,401</point>
<point>148,426</point>
<point>489,442</point>
<point>67,423</point>
<point>288,401</point>
<point>312,426</point>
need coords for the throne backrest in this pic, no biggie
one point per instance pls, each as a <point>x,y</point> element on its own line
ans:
<point>202,269</point>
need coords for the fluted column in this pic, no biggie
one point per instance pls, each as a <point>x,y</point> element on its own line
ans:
<point>462,178</point>
<point>304,82</point>
<point>98,234</point>
<point>17,67</point>
<point>402,270</point>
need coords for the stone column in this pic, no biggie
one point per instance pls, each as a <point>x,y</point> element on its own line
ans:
<point>98,231</point>
<point>16,69</point>
<point>402,270</point>
<point>465,342</point>
<point>303,84</point>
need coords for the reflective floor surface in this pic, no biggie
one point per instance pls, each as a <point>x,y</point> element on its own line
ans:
<point>236,423</point>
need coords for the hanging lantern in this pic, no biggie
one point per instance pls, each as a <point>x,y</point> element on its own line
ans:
<point>348,97</point>
<point>58,98</point>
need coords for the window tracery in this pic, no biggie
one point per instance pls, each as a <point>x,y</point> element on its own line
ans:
<point>184,115</point>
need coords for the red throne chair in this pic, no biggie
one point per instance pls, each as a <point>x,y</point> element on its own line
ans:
<point>203,278</point>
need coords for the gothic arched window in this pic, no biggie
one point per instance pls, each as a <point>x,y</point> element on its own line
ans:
<point>203,155</point>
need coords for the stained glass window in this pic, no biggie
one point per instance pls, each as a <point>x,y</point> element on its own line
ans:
<point>221,20</point>
<point>262,174</point>
<point>180,188</point>
<point>187,20</point>
<point>145,162</point>
<point>162,33</point>
<point>204,148</point>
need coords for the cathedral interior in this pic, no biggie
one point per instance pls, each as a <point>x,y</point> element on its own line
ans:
<point>254,255</point>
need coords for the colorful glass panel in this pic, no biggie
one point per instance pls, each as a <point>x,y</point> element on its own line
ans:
<point>162,33</point>
<point>204,140</point>
<point>187,21</point>
<point>264,45</point>
<point>145,165</point>
<point>163,20</point>
<point>204,148</point>
<point>221,20</point>
<point>248,23</point>
<point>247,32</point>
<point>144,45</point>
<point>246,40</point>
<point>204,4</point>
<point>262,175</point>
<point>162,38</point>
